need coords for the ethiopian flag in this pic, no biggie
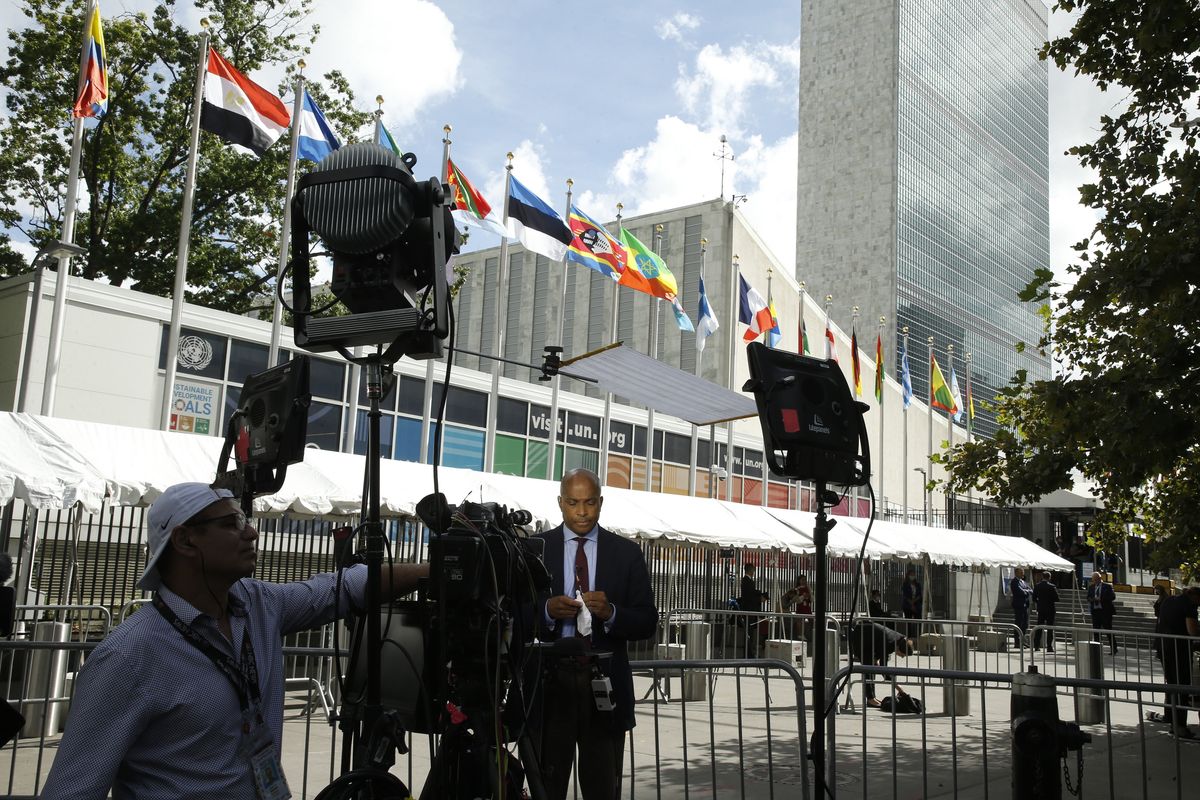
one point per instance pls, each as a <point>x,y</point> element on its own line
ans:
<point>646,263</point>
<point>855,367</point>
<point>940,395</point>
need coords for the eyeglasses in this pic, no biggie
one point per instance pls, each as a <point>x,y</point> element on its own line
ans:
<point>235,522</point>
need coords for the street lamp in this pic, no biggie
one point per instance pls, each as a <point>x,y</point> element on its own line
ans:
<point>52,252</point>
<point>924,492</point>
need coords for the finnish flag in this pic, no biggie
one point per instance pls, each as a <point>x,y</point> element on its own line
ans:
<point>317,139</point>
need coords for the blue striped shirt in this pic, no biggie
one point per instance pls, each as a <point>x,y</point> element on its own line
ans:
<point>153,717</point>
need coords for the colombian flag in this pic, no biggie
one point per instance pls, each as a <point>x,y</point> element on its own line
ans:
<point>93,90</point>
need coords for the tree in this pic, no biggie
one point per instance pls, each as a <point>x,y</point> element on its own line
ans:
<point>1124,409</point>
<point>134,157</point>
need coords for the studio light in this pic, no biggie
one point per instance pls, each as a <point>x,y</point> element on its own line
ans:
<point>389,238</point>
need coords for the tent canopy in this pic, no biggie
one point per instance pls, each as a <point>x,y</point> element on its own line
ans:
<point>48,462</point>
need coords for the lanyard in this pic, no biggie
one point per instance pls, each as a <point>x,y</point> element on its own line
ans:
<point>244,676</point>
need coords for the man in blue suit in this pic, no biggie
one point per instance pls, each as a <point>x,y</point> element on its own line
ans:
<point>597,569</point>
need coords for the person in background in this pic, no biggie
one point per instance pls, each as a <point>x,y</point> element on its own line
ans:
<point>1045,598</point>
<point>797,600</point>
<point>911,599</point>
<point>871,644</point>
<point>875,605</point>
<point>751,599</point>
<point>1178,617</point>
<point>1102,604</point>
<point>1020,592</point>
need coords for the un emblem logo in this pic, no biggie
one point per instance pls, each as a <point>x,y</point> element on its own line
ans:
<point>194,353</point>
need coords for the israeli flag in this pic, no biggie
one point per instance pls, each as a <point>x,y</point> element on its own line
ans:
<point>317,139</point>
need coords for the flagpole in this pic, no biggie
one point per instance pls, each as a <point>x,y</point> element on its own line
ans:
<point>699,358</point>
<point>489,452</point>
<point>928,507</point>
<point>654,301</point>
<point>828,330</point>
<point>378,137</point>
<point>856,379</point>
<point>562,322</point>
<point>904,480</point>
<point>63,277</point>
<point>970,401</point>
<point>734,289</point>
<point>185,227</point>
<point>949,429</point>
<point>879,401</point>
<point>285,229</point>
<point>801,332</point>
<point>606,420</point>
<point>427,399</point>
<point>771,310</point>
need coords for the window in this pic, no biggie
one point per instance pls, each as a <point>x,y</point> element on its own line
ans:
<point>245,359</point>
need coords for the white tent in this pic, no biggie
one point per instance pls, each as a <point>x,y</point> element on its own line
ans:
<point>48,462</point>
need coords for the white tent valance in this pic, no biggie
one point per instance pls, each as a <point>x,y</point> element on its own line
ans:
<point>48,462</point>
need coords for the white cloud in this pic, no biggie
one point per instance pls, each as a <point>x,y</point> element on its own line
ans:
<point>422,66</point>
<point>767,176</point>
<point>529,170</point>
<point>673,29</point>
<point>716,90</point>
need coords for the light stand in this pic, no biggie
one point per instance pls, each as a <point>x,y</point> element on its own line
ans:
<point>812,429</point>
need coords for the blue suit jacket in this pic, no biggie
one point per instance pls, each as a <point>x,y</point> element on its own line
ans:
<point>622,575</point>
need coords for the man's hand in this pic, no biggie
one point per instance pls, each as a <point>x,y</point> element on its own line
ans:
<point>563,607</point>
<point>597,603</point>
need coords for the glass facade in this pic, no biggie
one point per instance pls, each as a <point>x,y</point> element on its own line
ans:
<point>972,189</point>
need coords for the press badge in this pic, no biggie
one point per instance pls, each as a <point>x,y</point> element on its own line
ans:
<point>259,749</point>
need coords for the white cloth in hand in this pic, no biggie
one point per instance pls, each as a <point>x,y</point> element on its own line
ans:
<point>583,619</point>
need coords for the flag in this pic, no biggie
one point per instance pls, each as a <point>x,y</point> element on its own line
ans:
<point>970,399</point>
<point>593,247</point>
<point>752,311</point>
<point>830,344</point>
<point>805,349</point>
<point>470,209</point>
<point>681,318</point>
<point>645,267</point>
<point>706,323</point>
<point>905,377</point>
<point>855,367</point>
<point>93,90</point>
<point>939,392</point>
<point>879,368</point>
<point>239,110</point>
<point>387,141</point>
<point>774,336</point>
<point>956,394</point>
<point>317,139</point>
<point>535,224</point>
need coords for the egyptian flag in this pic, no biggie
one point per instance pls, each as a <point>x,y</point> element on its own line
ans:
<point>239,110</point>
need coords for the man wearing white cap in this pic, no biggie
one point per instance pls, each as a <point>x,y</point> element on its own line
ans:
<point>185,698</point>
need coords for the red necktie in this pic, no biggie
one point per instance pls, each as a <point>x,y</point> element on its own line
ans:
<point>581,566</point>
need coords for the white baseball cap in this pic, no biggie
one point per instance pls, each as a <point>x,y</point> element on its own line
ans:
<point>173,508</point>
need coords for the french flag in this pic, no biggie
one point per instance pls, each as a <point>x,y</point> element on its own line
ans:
<point>753,311</point>
<point>239,110</point>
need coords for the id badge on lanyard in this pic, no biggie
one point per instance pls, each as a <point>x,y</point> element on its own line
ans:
<point>258,748</point>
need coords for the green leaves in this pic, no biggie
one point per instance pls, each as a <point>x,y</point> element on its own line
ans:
<point>134,158</point>
<point>1124,414</point>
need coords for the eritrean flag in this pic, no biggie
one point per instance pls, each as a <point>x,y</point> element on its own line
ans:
<point>469,206</point>
<point>93,89</point>
<point>940,395</point>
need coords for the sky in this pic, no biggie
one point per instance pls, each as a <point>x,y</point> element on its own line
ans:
<point>629,98</point>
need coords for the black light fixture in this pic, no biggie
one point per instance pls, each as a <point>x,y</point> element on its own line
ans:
<point>389,237</point>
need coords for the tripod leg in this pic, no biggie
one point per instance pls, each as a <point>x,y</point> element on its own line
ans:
<point>533,767</point>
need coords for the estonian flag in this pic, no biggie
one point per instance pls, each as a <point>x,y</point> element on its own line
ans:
<point>239,110</point>
<point>317,139</point>
<point>535,224</point>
